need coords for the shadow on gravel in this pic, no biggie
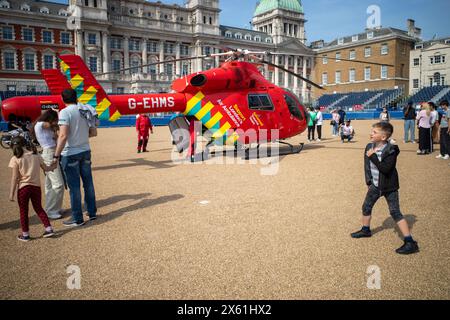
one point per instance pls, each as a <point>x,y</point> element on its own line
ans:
<point>389,223</point>
<point>118,212</point>
<point>130,163</point>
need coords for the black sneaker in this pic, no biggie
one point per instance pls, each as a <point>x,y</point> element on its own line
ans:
<point>408,248</point>
<point>92,218</point>
<point>361,234</point>
<point>48,234</point>
<point>73,223</point>
<point>23,238</point>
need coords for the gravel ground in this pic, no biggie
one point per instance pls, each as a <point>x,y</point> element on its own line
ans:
<point>226,231</point>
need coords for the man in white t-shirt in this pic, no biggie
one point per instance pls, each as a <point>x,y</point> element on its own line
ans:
<point>75,152</point>
<point>319,123</point>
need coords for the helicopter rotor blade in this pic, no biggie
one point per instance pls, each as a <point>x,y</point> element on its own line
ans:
<point>293,73</point>
<point>157,63</point>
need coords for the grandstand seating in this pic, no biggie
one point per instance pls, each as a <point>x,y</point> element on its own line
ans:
<point>426,94</point>
<point>352,99</point>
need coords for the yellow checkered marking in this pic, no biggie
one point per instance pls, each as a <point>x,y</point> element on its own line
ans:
<point>88,95</point>
<point>193,101</point>
<point>204,111</point>
<point>76,81</point>
<point>214,120</point>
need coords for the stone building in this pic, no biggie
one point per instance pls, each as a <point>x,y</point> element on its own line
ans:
<point>430,64</point>
<point>124,34</point>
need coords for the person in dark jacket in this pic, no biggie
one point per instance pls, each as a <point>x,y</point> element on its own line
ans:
<point>410,123</point>
<point>342,115</point>
<point>380,161</point>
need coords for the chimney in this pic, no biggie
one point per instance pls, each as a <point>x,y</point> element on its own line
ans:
<point>317,44</point>
<point>413,31</point>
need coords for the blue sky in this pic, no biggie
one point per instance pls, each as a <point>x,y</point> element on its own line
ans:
<point>330,19</point>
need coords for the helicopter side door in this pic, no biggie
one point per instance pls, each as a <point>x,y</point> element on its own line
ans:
<point>297,115</point>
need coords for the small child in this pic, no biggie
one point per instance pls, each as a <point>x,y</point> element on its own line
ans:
<point>26,181</point>
<point>347,131</point>
<point>382,179</point>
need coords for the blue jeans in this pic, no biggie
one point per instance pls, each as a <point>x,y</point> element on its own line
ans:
<point>410,130</point>
<point>76,166</point>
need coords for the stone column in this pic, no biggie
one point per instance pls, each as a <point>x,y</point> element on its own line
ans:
<point>126,54</point>
<point>286,75</point>
<point>276,71</point>
<point>303,82</point>
<point>217,59</point>
<point>198,62</point>
<point>79,43</point>
<point>295,78</point>
<point>144,56</point>
<point>106,52</point>
<point>161,57</point>
<point>178,56</point>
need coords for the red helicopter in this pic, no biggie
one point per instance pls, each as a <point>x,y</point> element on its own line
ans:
<point>228,101</point>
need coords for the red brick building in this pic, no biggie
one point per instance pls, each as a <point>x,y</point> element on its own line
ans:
<point>32,35</point>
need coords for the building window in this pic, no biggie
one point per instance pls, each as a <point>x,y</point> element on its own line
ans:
<point>338,56</point>
<point>44,10</point>
<point>352,55</point>
<point>135,64</point>
<point>338,77</point>
<point>258,39</point>
<point>341,41</point>
<point>152,46</point>
<point>169,48</point>
<point>355,38</point>
<point>30,64</point>
<point>367,52</point>
<point>134,45</point>
<point>116,63</point>
<point>324,78</point>
<point>437,59</point>
<point>48,62</point>
<point>228,34</point>
<point>206,51</point>
<point>325,60</point>
<point>93,64</point>
<point>184,50</point>
<point>431,60</point>
<point>185,70</point>
<point>9,60</point>
<point>269,40</point>
<point>248,37</point>
<point>416,62</point>
<point>25,7</point>
<point>92,39</point>
<point>27,34</point>
<point>384,49</point>
<point>416,83</point>
<point>370,35</point>
<point>7,33</point>
<point>367,73</point>
<point>238,36</point>
<point>47,36</point>
<point>437,79</point>
<point>65,38</point>
<point>115,43</point>
<point>352,75</point>
<point>419,46</point>
<point>384,72</point>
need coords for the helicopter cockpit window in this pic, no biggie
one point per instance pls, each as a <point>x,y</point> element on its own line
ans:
<point>293,107</point>
<point>260,102</point>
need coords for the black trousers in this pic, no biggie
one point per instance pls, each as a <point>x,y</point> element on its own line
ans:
<point>445,142</point>
<point>311,131</point>
<point>392,199</point>
<point>319,132</point>
<point>425,142</point>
